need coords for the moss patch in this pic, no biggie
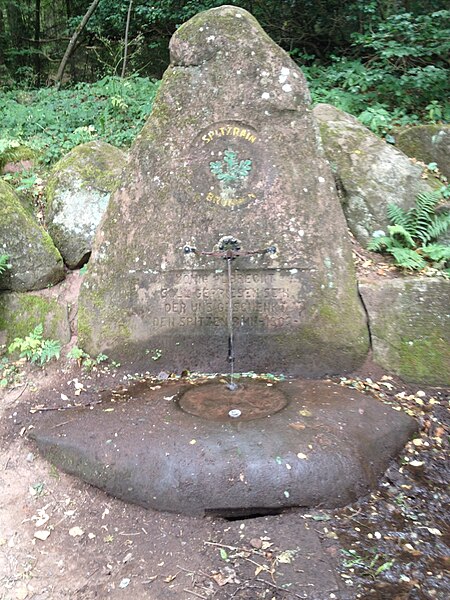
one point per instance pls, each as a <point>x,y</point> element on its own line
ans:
<point>20,313</point>
<point>426,359</point>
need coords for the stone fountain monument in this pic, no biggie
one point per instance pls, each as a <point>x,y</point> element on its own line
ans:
<point>230,152</point>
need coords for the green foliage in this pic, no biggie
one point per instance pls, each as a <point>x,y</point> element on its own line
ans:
<point>155,354</point>
<point>371,565</point>
<point>34,348</point>
<point>9,372</point>
<point>4,263</point>
<point>84,359</point>
<point>398,73</point>
<point>411,233</point>
<point>54,122</point>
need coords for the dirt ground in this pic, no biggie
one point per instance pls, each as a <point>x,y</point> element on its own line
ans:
<point>60,538</point>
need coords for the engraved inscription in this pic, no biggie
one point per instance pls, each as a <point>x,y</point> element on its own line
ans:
<point>262,300</point>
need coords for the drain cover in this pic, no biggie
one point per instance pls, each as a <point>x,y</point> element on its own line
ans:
<point>215,402</point>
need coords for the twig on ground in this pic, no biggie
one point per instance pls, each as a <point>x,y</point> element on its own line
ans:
<point>223,546</point>
<point>195,594</point>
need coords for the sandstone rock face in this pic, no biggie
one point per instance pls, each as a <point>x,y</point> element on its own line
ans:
<point>231,149</point>
<point>410,326</point>
<point>370,173</point>
<point>78,193</point>
<point>428,143</point>
<point>35,262</point>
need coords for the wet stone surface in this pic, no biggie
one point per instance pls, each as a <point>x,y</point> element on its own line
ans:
<point>217,402</point>
<point>328,447</point>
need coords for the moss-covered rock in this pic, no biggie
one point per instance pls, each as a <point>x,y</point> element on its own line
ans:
<point>428,143</point>
<point>35,262</point>
<point>231,149</point>
<point>14,155</point>
<point>370,173</point>
<point>21,312</point>
<point>78,193</point>
<point>410,327</point>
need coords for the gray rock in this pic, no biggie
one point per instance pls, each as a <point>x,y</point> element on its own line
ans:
<point>428,143</point>
<point>410,327</point>
<point>35,262</point>
<point>326,448</point>
<point>370,173</point>
<point>78,193</point>
<point>231,149</point>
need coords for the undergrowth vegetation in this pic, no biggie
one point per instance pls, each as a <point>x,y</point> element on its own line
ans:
<point>396,73</point>
<point>413,238</point>
<point>35,348</point>
<point>51,122</point>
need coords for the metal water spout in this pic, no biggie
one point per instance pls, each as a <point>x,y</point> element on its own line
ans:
<point>229,248</point>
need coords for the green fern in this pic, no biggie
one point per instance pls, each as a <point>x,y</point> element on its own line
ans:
<point>436,252</point>
<point>4,263</point>
<point>410,234</point>
<point>397,215</point>
<point>438,226</point>
<point>34,348</point>
<point>408,259</point>
<point>401,235</point>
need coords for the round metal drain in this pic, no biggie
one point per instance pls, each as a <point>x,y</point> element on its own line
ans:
<point>215,402</point>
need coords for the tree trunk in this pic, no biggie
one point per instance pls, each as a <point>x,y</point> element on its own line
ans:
<point>37,42</point>
<point>125,49</point>
<point>72,43</point>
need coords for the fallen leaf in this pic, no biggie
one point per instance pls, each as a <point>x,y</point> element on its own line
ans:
<point>21,592</point>
<point>297,426</point>
<point>42,534</point>
<point>76,531</point>
<point>170,578</point>
<point>286,557</point>
<point>226,577</point>
<point>223,554</point>
<point>42,520</point>
<point>305,413</point>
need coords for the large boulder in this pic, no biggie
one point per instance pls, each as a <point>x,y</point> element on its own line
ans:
<point>230,149</point>
<point>370,173</point>
<point>410,327</point>
<point>428,143</point>
<point>35,262</point>
<point>78,193</point>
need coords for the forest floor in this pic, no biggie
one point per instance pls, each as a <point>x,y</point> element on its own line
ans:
<point>61,538</point>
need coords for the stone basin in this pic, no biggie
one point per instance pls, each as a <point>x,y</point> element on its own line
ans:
<point>318,444</point>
